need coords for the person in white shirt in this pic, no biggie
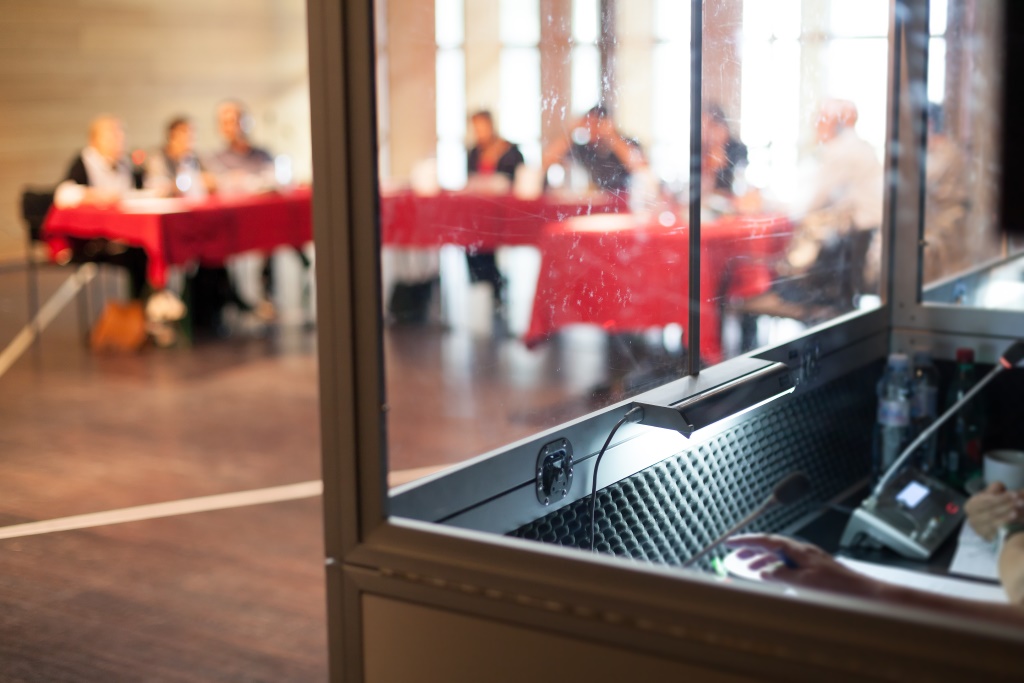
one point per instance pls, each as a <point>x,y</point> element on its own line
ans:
<point>834,256</point>
<point>100,175</point>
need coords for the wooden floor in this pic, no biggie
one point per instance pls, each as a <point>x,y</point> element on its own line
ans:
<point>227,595</point>
<point>233,594</point>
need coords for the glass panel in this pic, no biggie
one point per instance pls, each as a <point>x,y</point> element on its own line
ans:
<point>966,260</point>
<point>793,141</point>
<point>535,255</point>
<point>520,22</point>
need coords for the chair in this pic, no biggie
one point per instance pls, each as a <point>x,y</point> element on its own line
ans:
<point>830,287</point>
<point>35,204</point>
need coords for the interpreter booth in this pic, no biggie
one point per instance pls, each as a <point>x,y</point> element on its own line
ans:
<point>549,385</point>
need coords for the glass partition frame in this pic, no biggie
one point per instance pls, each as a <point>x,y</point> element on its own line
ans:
<point>938,328</point>
<point>600,599</point>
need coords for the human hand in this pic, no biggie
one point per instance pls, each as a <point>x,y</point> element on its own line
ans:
<point>102,196</point>
<point>783,560</point>
<point>993,507</point>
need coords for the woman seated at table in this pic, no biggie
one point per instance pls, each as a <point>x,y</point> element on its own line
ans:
<point>101,175</point>
<point>723,160</point>
<point>175,169</point>
<point>492,157</point>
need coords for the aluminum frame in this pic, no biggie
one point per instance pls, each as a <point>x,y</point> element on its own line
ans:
<point>681,616</point>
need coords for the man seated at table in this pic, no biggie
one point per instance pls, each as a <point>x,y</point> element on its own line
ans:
<point>596,144</point>
<point>841,214</point>
<point>491,157</point>
<point>100,175</point>
<point>242,167</point>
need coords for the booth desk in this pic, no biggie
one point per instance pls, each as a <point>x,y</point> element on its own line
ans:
<point>444,580</point>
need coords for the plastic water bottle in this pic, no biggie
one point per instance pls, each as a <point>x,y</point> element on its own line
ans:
<point>924,407</point>
<point>962,440</point>
<point>892,427</point>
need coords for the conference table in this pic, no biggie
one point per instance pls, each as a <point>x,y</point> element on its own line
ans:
<point>178,231</point>
<point>600,264</point>
<point>629,273</point>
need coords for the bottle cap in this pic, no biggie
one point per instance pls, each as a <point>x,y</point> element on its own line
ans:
<point>965,355</point>
<point>899,360</point>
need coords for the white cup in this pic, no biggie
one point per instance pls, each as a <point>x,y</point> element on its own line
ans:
<point>1006,466</point>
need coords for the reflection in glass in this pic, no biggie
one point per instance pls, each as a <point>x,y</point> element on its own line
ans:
<point>536,188</point>
<point>965,260</point>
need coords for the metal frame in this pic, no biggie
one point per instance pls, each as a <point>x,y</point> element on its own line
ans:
<point>686,619</point>
<point>938,328</point>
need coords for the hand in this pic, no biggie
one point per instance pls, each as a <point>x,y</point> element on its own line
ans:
<point>100,196</point>
<point>993,507</point>
<point>783,560</point>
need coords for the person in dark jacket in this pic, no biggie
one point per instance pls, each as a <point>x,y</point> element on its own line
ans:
<point>100,175</point>
<point>491,155</point>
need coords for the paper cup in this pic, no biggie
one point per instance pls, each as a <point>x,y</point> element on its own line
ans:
<point>1005,466</point>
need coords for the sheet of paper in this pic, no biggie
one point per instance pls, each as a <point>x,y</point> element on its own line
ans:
<point>975,556</point>
<point>944,585</point>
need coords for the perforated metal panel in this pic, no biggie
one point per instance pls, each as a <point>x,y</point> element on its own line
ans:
<point>667,512</point>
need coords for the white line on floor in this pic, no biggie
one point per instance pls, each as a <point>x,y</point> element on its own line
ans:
<point>223,501</point>
<point>47,312</point>
<point>186,506</point>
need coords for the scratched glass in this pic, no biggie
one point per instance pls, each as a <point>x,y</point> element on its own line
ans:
<point>536,191</point>
<point>967,261</point>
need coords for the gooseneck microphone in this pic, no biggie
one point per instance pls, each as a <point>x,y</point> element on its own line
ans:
<point>791,489</point>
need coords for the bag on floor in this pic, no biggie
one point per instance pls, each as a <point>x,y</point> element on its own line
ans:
<point>121,328</point>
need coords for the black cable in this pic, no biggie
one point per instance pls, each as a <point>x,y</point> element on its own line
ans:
<point>634,414</point>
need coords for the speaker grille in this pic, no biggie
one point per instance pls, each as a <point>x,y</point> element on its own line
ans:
<point>671,510</point>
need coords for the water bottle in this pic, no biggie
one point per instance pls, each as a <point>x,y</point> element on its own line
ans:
<point>892,427</point>
<point>962,441</point>
<point>924,408</point>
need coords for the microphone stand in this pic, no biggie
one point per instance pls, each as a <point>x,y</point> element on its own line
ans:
<point>1006,361</point>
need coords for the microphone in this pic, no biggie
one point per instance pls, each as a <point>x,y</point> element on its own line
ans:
<point>791,489</point>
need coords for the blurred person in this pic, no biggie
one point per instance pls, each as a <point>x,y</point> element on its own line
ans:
<point>947,202</point>
<point>491,156</point>
<point>723,155</point>
<point>835,254</point>
<point>240,166</point>
<point>175,169</point>
<point>101,175</point>
<point>595,143</point>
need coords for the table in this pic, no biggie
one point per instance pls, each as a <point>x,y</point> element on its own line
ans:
<point>179,231</point>
<point>479,221</point>
<point>629,273</point>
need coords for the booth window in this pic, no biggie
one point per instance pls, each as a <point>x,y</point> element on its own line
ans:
<point>526,290</point>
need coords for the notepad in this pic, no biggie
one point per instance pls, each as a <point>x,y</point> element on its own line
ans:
<point>975,556</point>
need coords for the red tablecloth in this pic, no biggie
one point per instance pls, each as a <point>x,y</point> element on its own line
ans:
<point>178,231</point>
<point>628,274</point>
<point>483,222</point>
